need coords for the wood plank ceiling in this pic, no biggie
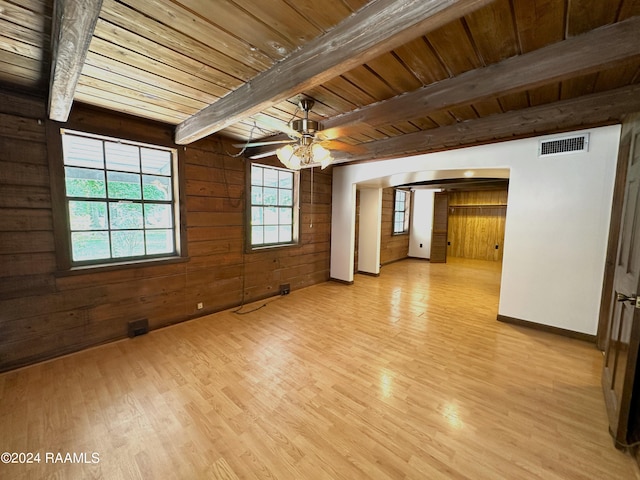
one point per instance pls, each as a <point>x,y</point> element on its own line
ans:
<point>464,72</point>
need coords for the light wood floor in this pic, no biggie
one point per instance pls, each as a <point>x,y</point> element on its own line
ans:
<point>407,375</point>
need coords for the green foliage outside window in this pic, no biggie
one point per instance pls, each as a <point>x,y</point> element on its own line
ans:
<point>272,206</point>
<point>125,211</point>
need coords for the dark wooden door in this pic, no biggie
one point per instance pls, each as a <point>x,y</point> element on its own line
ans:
<point>623,336</point>
<point>440,227</point>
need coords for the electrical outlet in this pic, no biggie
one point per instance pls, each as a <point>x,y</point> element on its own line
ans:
<point>200,305</point>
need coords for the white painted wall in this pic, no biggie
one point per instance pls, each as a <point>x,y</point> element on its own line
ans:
<point>556,226</point>
<point>421,224</point>
<point>343,227</point>
<point>370,223</point>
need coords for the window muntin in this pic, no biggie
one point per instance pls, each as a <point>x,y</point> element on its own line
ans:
<point>401,212</point>
<point>120,200</point>
<point>273,206</point>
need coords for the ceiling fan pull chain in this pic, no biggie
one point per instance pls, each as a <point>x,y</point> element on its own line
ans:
<point>311,213</point>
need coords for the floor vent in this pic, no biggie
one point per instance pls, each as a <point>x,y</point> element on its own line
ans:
<point>560,146</point>
<point>138,327</point>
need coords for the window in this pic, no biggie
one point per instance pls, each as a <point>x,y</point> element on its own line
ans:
<point>120,199</point>
<point>273,206</point>
<point>401,212</point>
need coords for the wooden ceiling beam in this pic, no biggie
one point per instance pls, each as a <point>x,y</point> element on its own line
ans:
<point>379,27</point>
<point>73,24</point>
<point>579,55</point>
<point>583,112</point>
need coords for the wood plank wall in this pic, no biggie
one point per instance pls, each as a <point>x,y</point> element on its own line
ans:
<point>392,247</point>
<point>440,228</point>
<point>476,224</point>
<point>44,314</point>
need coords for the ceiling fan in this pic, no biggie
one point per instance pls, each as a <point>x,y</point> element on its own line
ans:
<point>303,148</point>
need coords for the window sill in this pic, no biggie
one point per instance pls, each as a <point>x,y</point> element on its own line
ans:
<point>86,269</point>
<point>262,248</point>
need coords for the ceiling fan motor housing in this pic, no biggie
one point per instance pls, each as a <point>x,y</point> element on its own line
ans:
<point>306,151</point>
<point>304,126</point>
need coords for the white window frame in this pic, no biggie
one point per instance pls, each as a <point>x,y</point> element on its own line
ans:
<point>170,230</point>
<point>401,215</point>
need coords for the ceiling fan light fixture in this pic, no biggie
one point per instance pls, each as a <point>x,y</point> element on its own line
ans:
<point>325,162</point>
<point>298,156</point>
<point>319,152</point>
<point>284,154</point>
<point>321,155</point>
<point>307,151</point>
<point>295,162</point>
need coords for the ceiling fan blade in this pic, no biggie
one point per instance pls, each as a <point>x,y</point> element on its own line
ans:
<point>321,136</point>
<point>345,147</point>
<point>275,124</point>
<point>261,154</point>
<point>262,143</point>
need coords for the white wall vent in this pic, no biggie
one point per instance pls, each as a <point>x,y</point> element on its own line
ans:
<point>564,145</point>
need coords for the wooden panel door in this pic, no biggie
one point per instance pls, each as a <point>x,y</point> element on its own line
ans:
<point>439,231</point>
<point>614,237</point>
<point>623,337</point>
